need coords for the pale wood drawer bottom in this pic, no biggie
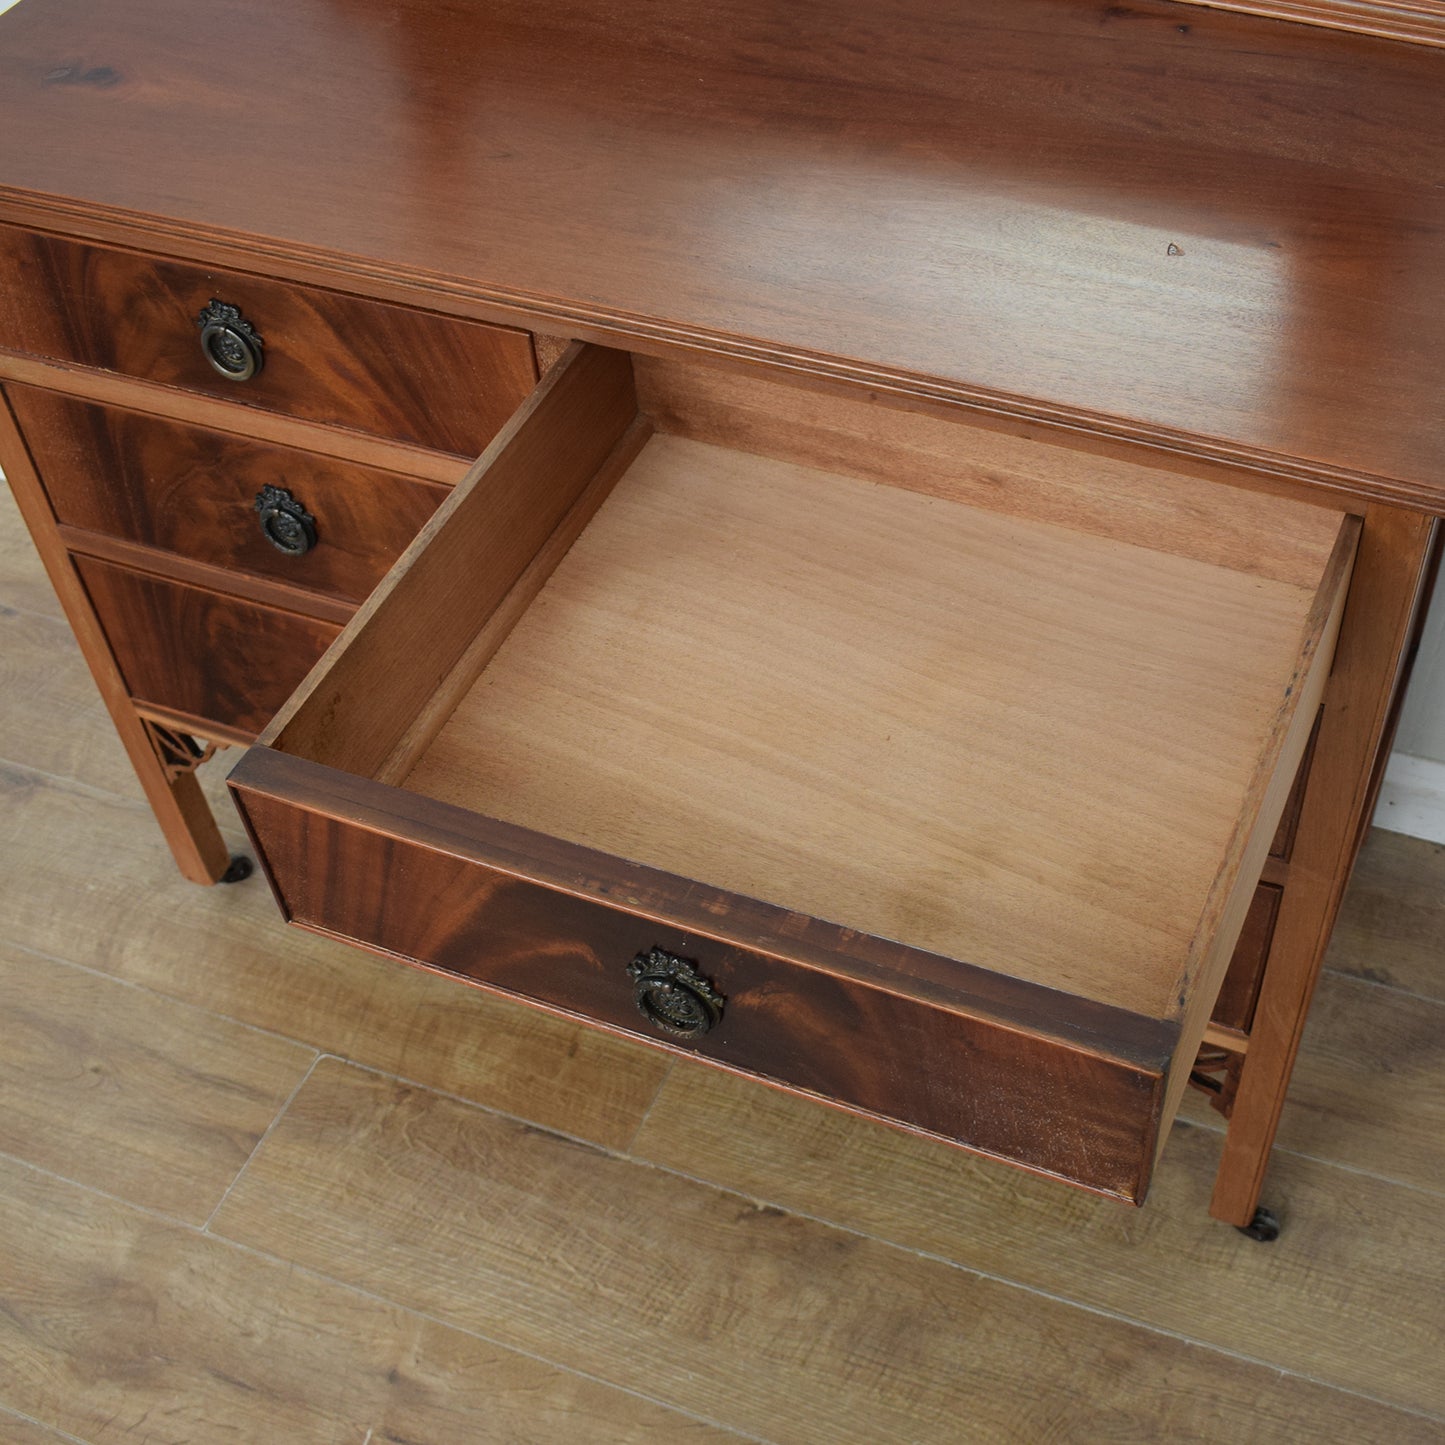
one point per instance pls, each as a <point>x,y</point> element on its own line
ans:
<point>945,813</point>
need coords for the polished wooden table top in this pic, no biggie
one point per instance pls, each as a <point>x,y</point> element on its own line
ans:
<point>1198,228</point>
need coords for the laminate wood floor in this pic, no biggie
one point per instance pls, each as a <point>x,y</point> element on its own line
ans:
<point>256,1187</point>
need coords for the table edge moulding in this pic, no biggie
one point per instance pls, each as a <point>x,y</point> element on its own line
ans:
<point>878,547</point>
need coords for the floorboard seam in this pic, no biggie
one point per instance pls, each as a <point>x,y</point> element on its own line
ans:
<point>225,1241</point>
<point>1388,987</point>
<point>1207,1125</point>
<point>512,1348</point>
<point>1097,1310</point>
<point>261,1142</point>
<point>626,1150</point>
<point>67,782</point>
<point>40,1424</point>
<point>579,1139</point>
<point>159,1215</point>
<point>930,1256</point>
<point>75,785</point>
<point>99,973</point>
<point>261,1030</point>
<point>1220,1130</point>
<point>651,1105</point>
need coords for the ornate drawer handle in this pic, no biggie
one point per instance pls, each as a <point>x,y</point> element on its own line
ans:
<point>285,523</point>
<point>229,341</point>
<point>672,995</point>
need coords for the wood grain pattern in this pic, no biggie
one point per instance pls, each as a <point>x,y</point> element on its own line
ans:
<point>192,491</point>
<point>422,621</point>
<point>1030,475</point>
<point>968,202</point>
<point>409,375</point>
<point>77,886</point>
<point>428,721</point>
<point>1282,847</point>
<point>1385,595</point>
<point>1372,1249</point>
<point>118,1326</point>
<point>1420,21</point>
<point>213,657</point>
<point>458,1390</point>
<point>1276,768</point>
<point>1074,1092</point>
<point>976,735</point>
<point>768,1323</point>
<point>215,413</point>
<point>1350,1302</point>
<point>792,686</point>
<point>132,1094</point>
<point>1234,1008</point>
<point>205,576</point>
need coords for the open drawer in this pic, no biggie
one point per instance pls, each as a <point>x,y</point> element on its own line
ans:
<point>922,768</point>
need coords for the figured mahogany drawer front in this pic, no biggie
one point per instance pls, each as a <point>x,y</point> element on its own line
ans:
<point>451,894</point>
<point>409,375</point>
<point>326,525</point>
<point>207,657</point>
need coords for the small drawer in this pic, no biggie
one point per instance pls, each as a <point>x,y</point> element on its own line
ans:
<point>321,355</point>
<point>200,656</point>
<point>769,727</point>
<point>1234,1008</point>
<point>1282,847</point>
<point>328,526</point>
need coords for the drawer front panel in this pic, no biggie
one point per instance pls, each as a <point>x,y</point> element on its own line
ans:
<point>409,375</point>
<point>213,658</point>
<point>346,865</point>
<point>1234,1008</point>
<point>195,492</point>
<point>1283,843</point>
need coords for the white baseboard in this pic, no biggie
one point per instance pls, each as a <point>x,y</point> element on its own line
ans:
<point>1412,799</point>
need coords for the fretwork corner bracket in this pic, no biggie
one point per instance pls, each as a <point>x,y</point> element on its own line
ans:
<point>177,752</point>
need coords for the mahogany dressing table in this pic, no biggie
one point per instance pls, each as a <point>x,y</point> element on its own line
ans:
<point>874,544</point>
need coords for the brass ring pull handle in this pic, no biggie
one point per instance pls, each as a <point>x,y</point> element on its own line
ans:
<point>229,341</point>
<point>285,523</point>
<point>672,995</point>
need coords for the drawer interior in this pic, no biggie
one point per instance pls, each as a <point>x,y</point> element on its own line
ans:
<point>984,738</point>
<point>1016,708</point>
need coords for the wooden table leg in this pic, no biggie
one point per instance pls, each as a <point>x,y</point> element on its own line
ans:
<point>173,792</point>
<point>1385,594</point>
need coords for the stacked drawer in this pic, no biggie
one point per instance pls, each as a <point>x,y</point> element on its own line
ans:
<point>1220,1063</point>
<point>1234,1009</point>
<point>234,462</point>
